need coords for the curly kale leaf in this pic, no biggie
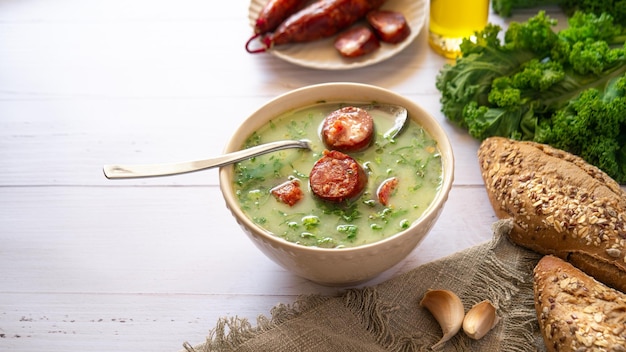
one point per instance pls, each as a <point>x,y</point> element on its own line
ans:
<point>506,7</point>
<point>485,59</point>
<point>593,126</point>
<point>485,122</point>
<point>583,26</point>
<point>617,8</point>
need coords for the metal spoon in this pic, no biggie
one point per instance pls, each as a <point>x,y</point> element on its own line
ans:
<point>150,170</point>
<point>399,114</point>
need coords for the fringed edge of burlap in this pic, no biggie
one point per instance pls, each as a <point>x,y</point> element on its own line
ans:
<point>509,287</point>
<point>231,332</point>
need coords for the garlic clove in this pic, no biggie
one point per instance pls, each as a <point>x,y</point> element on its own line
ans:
<point>447,309</point>
<point>480,319</point>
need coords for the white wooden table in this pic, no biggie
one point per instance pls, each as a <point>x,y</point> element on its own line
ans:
<point>92,264</point>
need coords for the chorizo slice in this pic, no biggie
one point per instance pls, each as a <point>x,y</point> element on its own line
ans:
<point>389,26</point>
<point>385,190</point>
<point>288,192</point>
<point>356,41</point>
<point>337,177</point>
<point>348,129</point>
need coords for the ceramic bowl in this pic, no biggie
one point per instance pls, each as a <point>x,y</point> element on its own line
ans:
<point>339,266</point>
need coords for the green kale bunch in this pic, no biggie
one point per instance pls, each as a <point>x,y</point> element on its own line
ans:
<point>566,88</point>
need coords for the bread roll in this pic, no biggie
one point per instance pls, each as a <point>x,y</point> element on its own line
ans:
<point>560,204</point>
<point>575,312</point>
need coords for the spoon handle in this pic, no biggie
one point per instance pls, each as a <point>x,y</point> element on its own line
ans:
<point>151,170</point>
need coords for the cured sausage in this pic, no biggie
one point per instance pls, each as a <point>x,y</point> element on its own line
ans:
<point>322,19</point>
<point>274,13</point>
<point>348,129</point>
<point>385,190</point>
<point>318,20</point>
<point>357,41</point>
<point>288,192</point>
<point>271,16</point>
<point>389,26</point>
<point>337,177</point>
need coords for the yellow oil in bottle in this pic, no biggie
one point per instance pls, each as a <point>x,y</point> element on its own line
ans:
<point>453,20</point>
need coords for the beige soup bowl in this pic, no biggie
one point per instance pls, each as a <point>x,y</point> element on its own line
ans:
<point>344,266</point>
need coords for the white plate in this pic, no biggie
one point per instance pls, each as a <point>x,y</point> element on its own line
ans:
<point>321,54</point>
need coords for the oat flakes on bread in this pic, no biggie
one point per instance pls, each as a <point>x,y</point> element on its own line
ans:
<point>560,205</point>
<point>575,312</point>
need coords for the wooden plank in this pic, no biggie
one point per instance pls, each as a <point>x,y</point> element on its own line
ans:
<point>131,322</point>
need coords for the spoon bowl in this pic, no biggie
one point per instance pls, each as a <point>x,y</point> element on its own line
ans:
<point>398,113</point>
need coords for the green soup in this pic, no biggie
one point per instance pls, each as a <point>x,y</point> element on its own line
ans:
<point>412,157</point>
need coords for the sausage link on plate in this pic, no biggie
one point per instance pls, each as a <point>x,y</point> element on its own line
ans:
<point>320,19</point>
<point>274,13</point>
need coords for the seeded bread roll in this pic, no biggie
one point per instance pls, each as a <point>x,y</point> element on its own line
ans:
<point>560,205</point>
<point>575,312</point>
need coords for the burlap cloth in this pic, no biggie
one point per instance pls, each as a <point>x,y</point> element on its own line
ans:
<point>388,317</point>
